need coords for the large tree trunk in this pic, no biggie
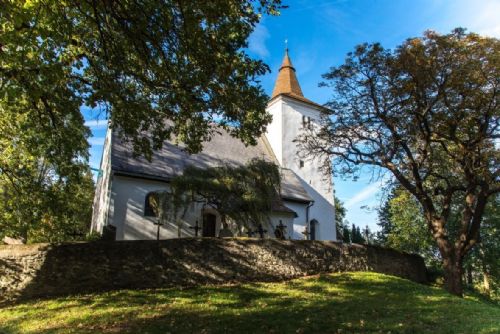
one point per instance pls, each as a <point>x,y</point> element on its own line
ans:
<point>453,275</point>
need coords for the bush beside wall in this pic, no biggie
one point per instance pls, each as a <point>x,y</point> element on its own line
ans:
<point>29,271</point>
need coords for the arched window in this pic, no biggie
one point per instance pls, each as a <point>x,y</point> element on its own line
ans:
<point>313,225</point>
<point>148,208</point>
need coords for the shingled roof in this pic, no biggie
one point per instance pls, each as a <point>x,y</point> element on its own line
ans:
<point>287,82</point>
<point>288,85</point>
<point>222,150</point>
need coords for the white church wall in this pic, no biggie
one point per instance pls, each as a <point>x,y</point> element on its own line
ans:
<point>128,196</point>
<point>312,178</point>
<point>127,211</point>
<point>286,219</point>
<point>299,222</point>
<point>274,129</point>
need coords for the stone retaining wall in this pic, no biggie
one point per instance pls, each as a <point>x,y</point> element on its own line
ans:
<point>29,271</point>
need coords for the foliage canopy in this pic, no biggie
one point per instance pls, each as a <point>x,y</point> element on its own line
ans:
<point>163,68</point>
<point>428,113</point>
<point>245,194</point>
<point>142,63</point>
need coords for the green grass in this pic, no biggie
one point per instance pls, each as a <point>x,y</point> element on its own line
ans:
<point>336,303</point>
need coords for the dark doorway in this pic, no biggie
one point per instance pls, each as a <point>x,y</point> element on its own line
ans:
<point>313,225</point>
<point>209,221</point>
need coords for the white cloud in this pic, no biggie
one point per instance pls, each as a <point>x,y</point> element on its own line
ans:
<point>96,141</point>
<point>362,195</point>
<point>487,20</point>
<point>480,16</point>
<point>95,124</point>
<point>491,32</point>
<point>257,41</point>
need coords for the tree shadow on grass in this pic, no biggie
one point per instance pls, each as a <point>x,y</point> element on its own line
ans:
<point>353,303</point>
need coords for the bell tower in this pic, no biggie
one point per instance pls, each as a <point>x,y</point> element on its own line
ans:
<point>293,113</point>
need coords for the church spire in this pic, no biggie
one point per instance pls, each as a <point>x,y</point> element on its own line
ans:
<point>287,82</point>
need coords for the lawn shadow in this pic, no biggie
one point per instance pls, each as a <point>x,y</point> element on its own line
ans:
<point>350,302</point>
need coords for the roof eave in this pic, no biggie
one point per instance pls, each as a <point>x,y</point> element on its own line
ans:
<point>299,100</point>
<point>120,172</point>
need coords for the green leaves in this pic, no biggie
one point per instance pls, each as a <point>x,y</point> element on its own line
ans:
<point>428,113</point>
<point>145,63</point>
<point>159,67</point>
<point>244,194</point>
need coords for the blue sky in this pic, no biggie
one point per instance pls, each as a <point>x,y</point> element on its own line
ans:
<point>319,35</point>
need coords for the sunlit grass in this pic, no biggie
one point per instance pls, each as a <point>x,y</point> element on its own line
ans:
<point>336,303</point>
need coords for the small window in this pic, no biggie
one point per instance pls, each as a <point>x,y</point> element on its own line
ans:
<point>301,163</point>
<point>306,121</point>
<point>148,208</point>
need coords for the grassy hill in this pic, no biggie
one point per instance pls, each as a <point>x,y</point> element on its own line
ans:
<point>335,303</point>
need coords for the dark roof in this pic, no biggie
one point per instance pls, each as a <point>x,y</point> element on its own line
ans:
<point>223,149</point>
<point>279,206</point>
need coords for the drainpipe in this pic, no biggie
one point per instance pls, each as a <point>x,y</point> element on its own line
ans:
<point>311,203</point>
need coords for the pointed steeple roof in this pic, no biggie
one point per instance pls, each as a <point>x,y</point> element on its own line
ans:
<point>287,82</point>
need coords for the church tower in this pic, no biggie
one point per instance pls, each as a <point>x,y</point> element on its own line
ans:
<point>292,113</point>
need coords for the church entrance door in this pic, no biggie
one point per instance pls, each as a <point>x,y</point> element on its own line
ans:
<point>209,221</point>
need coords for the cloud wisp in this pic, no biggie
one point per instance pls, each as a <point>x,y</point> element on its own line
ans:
<point>364,194</point>
<point>97,124</point>
<point>257,41</point>
<point>96,141</point>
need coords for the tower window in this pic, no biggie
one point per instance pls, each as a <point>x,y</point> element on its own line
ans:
<point>306,121</point>
<point>301,163</point>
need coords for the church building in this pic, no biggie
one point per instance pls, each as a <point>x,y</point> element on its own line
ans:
<point>306,209</point>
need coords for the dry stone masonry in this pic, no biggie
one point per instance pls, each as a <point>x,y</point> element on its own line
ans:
<point>41,270</point>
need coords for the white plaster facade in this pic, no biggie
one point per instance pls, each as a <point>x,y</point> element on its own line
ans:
<point>289,115</point>
<point>127,207</point>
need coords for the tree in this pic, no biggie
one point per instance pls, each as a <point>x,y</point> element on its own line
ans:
<point>245,194</point>
<point>340,213</point>
<point>158,69</point>
<point>142,62</point>
<point>356,236</point>
<point>38,206</point>
<point>368,236</point>
<point>384,219</point>
<point>428,113</point>
<point>483,263</point>
<point>403,226</point>
<point>346,234</point>
<point>45,182</point>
